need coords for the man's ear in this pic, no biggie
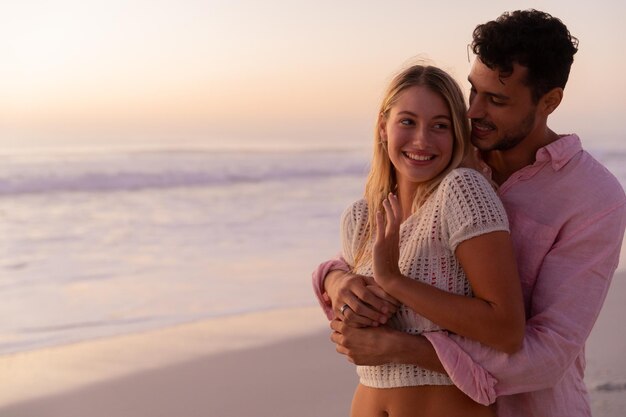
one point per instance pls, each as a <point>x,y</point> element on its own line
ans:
<point>551,100</point>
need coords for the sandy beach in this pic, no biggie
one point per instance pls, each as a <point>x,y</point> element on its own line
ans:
<point>264,364</point>
<point>277,363</point>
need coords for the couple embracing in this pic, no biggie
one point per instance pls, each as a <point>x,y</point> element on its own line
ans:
<point>473,270</point>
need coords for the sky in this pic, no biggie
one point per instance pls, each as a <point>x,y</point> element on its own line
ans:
<point>272,73</point>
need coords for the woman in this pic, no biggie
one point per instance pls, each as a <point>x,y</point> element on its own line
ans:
<point>435,237</point>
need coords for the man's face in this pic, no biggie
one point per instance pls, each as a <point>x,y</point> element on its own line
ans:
<point>501,109</point>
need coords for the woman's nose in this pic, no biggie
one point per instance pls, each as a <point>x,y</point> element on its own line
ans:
<point>421,136</point>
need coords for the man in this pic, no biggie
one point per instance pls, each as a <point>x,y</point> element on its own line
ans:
<point>567,216</point>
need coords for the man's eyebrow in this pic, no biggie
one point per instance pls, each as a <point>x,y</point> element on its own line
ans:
<point>495,95</point>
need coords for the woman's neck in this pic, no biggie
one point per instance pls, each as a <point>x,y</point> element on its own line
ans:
<point>406,195</point>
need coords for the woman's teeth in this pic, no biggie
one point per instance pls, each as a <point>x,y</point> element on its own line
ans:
<point>417,157</point>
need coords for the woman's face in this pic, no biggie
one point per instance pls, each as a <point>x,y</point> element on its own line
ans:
<point>419,135</point>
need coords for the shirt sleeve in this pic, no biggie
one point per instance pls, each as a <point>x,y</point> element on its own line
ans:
<point>341,261</point>
<point>569,293</point>
<point>352,230</point>
<point>471,207</point>
<point>319,274</point>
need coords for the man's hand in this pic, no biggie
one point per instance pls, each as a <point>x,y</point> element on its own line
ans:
<point>372,346</point>
<point>367,304</point>
<point>362,346</point>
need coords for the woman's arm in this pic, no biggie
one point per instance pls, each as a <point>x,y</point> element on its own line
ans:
<point>494,316</point>
<point>336,286</point>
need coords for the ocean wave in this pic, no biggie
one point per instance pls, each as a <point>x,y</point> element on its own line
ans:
<point>610,386</point>
<point>136,171</point>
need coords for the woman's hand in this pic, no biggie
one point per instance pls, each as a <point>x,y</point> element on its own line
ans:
<point>367,304</point>
<point>386,249</point>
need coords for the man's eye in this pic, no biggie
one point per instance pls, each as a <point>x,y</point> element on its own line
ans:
<point>497,101</point>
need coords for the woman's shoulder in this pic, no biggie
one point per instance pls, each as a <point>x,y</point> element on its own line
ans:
<point>470,205</point>
<point>356,212</point>
<point>466,178</point>
<point>353,222</point>
<point>358,205</point>
<point>464,173</point>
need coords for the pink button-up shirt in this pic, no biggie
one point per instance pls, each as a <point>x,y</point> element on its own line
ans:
<point>567,216</point>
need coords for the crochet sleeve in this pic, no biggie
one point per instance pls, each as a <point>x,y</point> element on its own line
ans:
<point>344,261</point>
<point>351,228</point>
<point>471,207</point>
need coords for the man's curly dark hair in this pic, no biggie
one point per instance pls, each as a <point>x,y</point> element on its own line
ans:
<point>533,39</point>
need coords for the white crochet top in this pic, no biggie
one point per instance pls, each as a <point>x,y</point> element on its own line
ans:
<point>463,206</point>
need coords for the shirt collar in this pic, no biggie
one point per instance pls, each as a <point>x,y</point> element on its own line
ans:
<point>560,151</point>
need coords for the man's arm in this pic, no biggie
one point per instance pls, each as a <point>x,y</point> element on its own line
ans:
<point>567,298</point>
<point>337,265</point>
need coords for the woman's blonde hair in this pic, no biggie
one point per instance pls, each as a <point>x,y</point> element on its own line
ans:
<point>381,179</point>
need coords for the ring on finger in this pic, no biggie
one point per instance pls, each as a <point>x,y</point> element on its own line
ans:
<point>343,308</point>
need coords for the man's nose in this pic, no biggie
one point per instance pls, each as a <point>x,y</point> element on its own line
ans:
<point>476,108</point>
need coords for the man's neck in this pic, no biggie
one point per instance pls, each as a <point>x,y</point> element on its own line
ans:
<point>504,163</point>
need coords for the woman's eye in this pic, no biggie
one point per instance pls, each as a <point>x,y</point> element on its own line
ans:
<point>406,122</point>
<point>441,126</point>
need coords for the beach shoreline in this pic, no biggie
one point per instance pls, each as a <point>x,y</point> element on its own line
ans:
<point>300,376</point>
<point>270,363</point>
<point>55,370</point>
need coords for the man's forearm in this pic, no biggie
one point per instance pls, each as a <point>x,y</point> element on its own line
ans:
<point>318,280</point>
<point>379,345</point>
<point>415,350</point>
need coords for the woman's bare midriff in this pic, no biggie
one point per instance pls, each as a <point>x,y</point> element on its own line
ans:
<point>421,401</point>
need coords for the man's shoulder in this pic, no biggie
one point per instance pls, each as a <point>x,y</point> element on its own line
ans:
<point>580,169</point>
<point>577,193</point>
<point>592,179</point>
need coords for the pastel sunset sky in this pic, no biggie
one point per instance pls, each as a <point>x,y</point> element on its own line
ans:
<point>262,73</point>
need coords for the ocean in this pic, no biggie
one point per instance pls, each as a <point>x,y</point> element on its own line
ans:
<point>96,243</point>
